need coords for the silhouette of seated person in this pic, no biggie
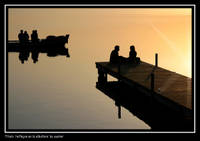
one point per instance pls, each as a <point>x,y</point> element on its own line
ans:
<point>34,37</point>
<point>132,55</point>
<point>114,56</point>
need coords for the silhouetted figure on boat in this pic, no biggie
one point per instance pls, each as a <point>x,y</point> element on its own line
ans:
<point>132,55</point>
<point>114,56</point>
<point>34,37</point>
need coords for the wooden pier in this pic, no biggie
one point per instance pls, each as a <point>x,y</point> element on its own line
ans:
<point>166,86</point>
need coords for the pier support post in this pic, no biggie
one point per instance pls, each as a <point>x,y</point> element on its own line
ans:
<point>102,78</point>
<point>152,91</point>
<point>156,60</point>
<point>119,109</point>
<point>119,69</point>
<point>152,82</point>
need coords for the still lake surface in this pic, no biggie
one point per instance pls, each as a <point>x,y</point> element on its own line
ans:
<point>60,93</point>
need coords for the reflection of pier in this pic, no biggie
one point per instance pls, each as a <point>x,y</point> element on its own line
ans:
<point>158,116</point>
<point>163,99</point>
<point>51,50</point>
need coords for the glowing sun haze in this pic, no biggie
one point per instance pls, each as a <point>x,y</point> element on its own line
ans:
<point>95,31</point>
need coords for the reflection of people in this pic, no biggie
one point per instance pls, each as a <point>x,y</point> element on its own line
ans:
<point>24,55</point>
<point>35,55</point>
<point>21,57</point>
<point>114,56</point>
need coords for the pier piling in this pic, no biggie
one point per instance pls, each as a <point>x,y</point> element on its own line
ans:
<point>156,60</point>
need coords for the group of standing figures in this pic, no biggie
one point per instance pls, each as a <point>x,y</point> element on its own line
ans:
<point>25,48</point>
<point>52,45</point>
<point>24,37</point>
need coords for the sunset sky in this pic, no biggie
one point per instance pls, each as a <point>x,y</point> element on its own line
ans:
<point>95,31</point>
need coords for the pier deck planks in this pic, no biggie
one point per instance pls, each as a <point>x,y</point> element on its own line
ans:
<point>171,85</point>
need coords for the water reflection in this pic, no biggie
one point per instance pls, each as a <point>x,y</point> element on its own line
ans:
<point>52,45</point>
<point>35,55</point>
<point>24,55</point>
<point>153,113</point>
<point>64,98</point>
<point>35,50</point>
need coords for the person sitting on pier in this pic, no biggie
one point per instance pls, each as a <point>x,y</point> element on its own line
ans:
<point>34,37</point>
<point>114,56</point>
<point>21,36</point>
<point>132,55</point>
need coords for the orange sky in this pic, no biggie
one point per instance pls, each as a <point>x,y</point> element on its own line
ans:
<point>95,31</point>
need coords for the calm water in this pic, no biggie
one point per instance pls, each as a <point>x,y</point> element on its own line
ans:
<point>60,93</point>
